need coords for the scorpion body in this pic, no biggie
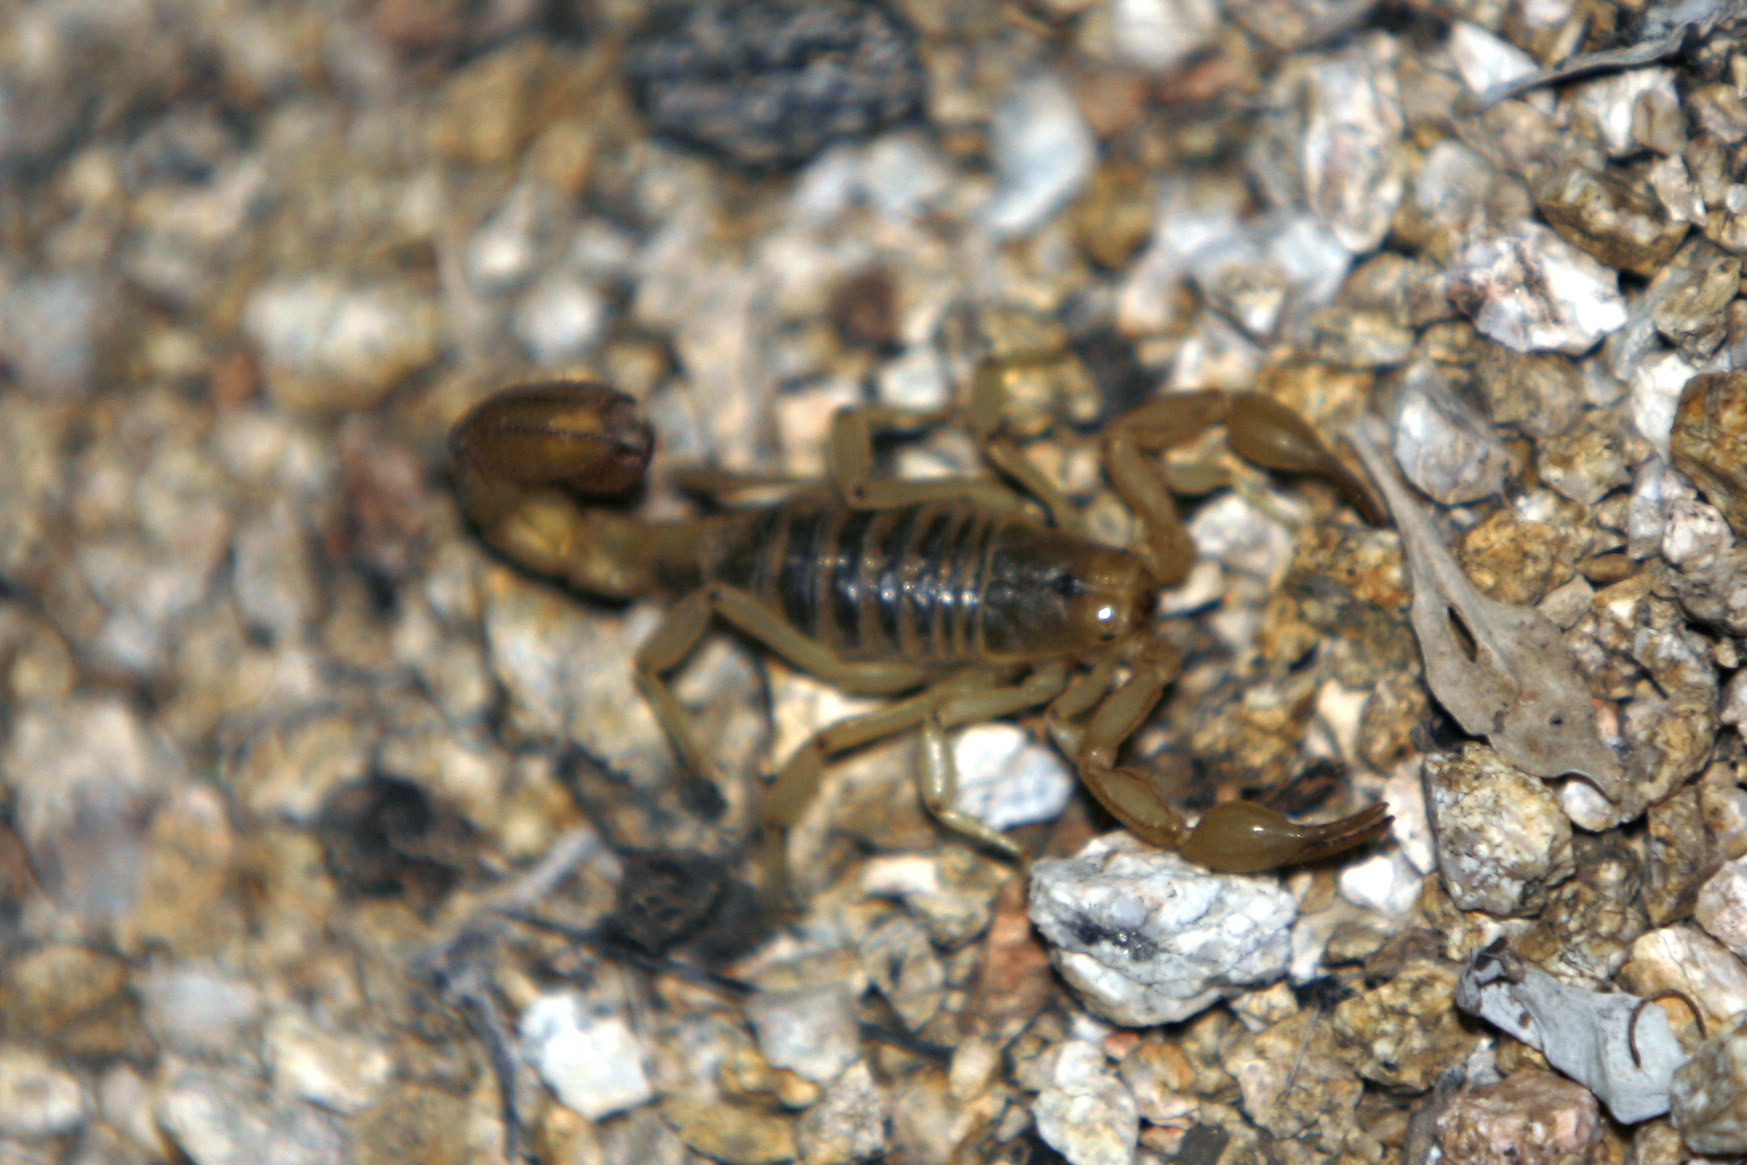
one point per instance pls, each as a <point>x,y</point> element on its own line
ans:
<point>942,592</point>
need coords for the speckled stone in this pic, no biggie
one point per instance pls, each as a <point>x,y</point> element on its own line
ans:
<point>1617,224</point>
<point>1533,1116</point>
<point>1148,938</point>
<point>1503,841</point>
<point>1709,441</point>
<point>1405,1031</point>
<point>1709,1095</point>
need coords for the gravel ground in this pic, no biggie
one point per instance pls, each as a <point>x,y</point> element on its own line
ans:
<point>330,836</point>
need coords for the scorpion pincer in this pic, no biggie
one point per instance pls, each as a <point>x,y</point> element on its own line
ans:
<point>943,593</point>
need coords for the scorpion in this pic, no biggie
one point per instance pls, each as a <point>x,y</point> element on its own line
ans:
<point>943,593</point>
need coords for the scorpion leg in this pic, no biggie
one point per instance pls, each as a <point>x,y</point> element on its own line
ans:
<point>684,627</point>
<point>984,414</point>
<point>967,697</point>
<point>850,461</point>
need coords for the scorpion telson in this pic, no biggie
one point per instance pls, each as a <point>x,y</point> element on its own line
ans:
<point>942,593</point>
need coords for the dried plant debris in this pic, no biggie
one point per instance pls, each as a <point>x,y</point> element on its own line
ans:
<point>1503,672</point>
<point>1619,1046</point>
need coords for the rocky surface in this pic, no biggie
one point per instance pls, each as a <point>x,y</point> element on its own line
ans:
<point>330,836</point>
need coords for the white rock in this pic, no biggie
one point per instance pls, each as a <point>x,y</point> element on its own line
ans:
<point>51,330</point>
<point>224,1118</point>
<point>1503,840</point>
<point>330,345</point>
<point>1606,103</point>
<point>1451,187</point>
<point>1656,383</point>
<point>198,1008</point>
<point>1156,35</point>
<point>1412,827</point>
<point>601,250</point>
<point>559,318</point>
<point>1148,938</point>
<point>1044,153</point>
<point>83,776</point>
<point>1734,708</point>
<point>1271,273</point>
<point>37,1097</point>
<point>1685,959</point>
<point>272,575</point>
<point>1676,191</point>
<point>1623,1053</point>
<point>848,1123</point>
<point>1238,534</point>
<point>504,252</point>
<point>1086,1113</point>
<point>1693,531</point>
<point>340,1072</point>
<point>915,379</point>
<point>1654,490</point>
<point>1533,292</point>
<point>1446,448</point>
<point>1386,883</point>
<point>1483,60</point>
<point>902,174</point>
<point>1354,172</point>
<point>1006,779</point>
<point>814,1032</point>
<point>1722,905</point>
<point>1191,215</point>
<point>592,1061</point>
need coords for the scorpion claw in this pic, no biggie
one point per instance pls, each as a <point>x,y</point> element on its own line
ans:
<point>1241,837</point>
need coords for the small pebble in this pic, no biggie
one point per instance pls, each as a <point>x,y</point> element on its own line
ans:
<point>1155,35</point>
<point>769,83</point>
<point>592,1062</point>
<point>730,1133</point>
<point>848,1123</point>
<point>1044,153</point>
<point>1086,1112</point>
<point>1484,60</point>
<point>815,1033</point>
<point>1386,883</point>
<point>1606,103</point>
<point>198,1008</point>
<point>52,329</point>
<point>330,346</point>
<point>1503,840</point>
<point>1533,292</point>
<point>1657,383</point>
<point>1532,1118</point>
<point>340,1072</point>
<point>1006,779</point>
<point>1722,906</point>
<point>1708,441</point>
<point>559,319</point>
<point>1709,1096</point>
<point>37,1097</point>
<point>222,1118</point>
<point>1351,150</point>
<point>1685,959</point>
<point>83,776</point>
<point>1445,448</point>
<point>1148,938</point>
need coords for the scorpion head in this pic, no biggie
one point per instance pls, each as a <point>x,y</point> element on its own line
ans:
<point>1047,594</point>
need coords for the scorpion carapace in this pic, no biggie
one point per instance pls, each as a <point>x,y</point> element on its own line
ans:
<point>941,592</point>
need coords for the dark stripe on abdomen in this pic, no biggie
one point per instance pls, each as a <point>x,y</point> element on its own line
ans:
<point>806,528</point>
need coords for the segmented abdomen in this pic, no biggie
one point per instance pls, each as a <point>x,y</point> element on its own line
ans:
<point>902,583</point>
